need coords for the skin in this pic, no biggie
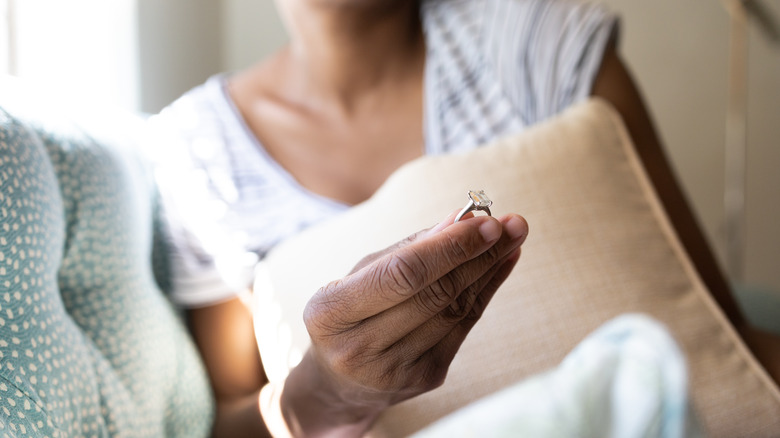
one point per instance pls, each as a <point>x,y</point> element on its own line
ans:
<point>384,333</point>
<point>340,108</point>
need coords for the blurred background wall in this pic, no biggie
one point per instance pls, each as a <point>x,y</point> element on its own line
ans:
<point>142,54</point>
<point>678,51</point>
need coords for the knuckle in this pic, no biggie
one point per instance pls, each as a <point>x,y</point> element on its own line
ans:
<point>457,250</point>
<point>401,275</point>
<point>341,363</point>
<point>448,286</point>
<point>492,254</point>
<point>389,377</point>
<point>352,357</point>
<point>435,380</point>
<point>324,312</point>
<point>438,295</point>
<point>462,307</point>
<point>370,367</point>
<point>408,240</point>
<point>476,309</point>
<point>433,376</point>
<point>487,260</point>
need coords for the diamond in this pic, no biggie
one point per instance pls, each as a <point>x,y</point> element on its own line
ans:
<point>480,199</point>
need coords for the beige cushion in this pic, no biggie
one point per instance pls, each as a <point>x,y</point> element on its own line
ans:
<point>600,245</point>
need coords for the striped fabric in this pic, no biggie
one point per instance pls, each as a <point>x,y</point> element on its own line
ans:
<point>493,67</point>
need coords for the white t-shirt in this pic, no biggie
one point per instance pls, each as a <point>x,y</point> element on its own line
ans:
<point>493,67</point>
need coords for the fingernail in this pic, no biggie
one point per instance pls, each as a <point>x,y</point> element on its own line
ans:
<point>516,228</point>
<point>490,230</point>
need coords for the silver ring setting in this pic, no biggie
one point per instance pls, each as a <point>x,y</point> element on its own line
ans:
<point>478,200</point>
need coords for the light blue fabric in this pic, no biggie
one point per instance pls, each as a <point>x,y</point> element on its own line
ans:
<point>627,379</point>
<point>89,346</point>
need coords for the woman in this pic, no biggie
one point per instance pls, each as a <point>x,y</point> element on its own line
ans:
<point>363,87</point>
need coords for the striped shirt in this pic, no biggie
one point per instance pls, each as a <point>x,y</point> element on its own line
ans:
<point>493,67</point>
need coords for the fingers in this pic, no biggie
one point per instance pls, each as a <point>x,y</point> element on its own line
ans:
<point>436,309</point>
<point>417,266</point>
<point>391,329</point>
<point>445,350</point>
<point>399,275</point>
<point>465,310</point>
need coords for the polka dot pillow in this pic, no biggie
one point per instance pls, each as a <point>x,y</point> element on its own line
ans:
<point>89,346</point>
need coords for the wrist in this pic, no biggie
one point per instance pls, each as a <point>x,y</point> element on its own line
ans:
<point>314,403</point>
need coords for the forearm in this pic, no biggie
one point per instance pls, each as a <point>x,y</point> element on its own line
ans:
<point>312,407</point>
<point>240,417</point>
<point>247,405</point>
<point>305,406</point>
<point>225,337</point>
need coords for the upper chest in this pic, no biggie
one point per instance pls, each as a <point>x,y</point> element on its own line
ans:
<point>340,155</point>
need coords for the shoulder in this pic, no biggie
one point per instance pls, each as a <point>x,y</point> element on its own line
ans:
<point>508,35</point>
<point>519,25</point>
<point>197,117</point>
<point>198,105</point>
<point>543,54</point>
<point>494,18</point>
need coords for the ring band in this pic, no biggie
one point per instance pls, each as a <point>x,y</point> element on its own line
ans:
<point>478,200</point>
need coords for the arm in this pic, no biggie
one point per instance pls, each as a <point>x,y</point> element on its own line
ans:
<point>225,337</point>
<point>383,334</point>
<point>614,84</point>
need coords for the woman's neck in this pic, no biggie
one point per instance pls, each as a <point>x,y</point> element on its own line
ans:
<point>343,51</point>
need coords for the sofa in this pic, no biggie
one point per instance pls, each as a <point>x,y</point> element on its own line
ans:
<point>91,346</point>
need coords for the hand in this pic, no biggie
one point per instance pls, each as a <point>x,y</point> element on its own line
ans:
<point>390,329</point>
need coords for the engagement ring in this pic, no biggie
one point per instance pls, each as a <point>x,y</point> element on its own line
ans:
<point>477,201</point>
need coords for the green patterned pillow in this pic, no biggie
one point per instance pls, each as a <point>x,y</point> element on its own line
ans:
<point>89,346</point>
